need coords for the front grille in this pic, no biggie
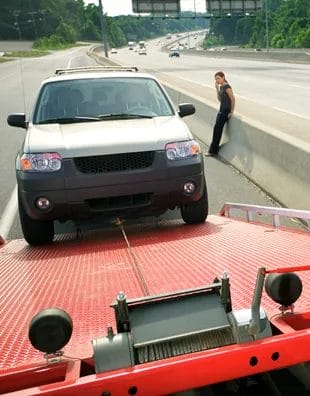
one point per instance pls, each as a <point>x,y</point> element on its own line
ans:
<point>121,202</point>
<point>115,162</point>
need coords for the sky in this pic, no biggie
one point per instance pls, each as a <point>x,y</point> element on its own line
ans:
<point>124,7</point>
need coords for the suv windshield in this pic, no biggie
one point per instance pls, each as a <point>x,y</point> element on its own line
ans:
<point>100,99</point>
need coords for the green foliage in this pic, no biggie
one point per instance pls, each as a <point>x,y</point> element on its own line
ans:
<point>278,41</point>
<point>66,33</point>
<point>243,30</point>
<point>26,54</point>
<point>212,41</point>
<point>303,38</point>
<point>288,22</point>
<point>59,23</point>
<point>258,37</point>
<point>2,60</point>
<point>225,27</point>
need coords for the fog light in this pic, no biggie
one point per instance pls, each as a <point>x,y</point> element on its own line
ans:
<point>43,203</point>
<point>189,187</point>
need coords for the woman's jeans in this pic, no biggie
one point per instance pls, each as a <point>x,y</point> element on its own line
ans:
<point>221,118</point>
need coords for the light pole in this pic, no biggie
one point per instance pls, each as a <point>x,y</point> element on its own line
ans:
<point>33,13</point>
<point>16,14</point>
<point>267,25</point>
<point>103,30</point>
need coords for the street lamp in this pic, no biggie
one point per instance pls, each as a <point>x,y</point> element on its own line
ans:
<point>267,25</point>
<point>33,21</point>
<point>16,14</point>
<point>103,30</point>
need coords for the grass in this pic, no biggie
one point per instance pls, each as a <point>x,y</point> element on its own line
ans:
<point>26,54</point>
<point>2,60</point>
<point>59,46</point>
<point>40,51</point>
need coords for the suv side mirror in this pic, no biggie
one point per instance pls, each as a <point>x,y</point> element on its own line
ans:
<point>186,109</point>
<point>17,120</point>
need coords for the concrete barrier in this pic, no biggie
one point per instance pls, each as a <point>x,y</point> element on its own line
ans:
<point>288,56</point>
<point>277,162</point>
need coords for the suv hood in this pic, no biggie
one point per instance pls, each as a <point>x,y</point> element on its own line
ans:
<point>106,137</point>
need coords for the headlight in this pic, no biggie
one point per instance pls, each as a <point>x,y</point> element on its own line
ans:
<point>180,150</point>
<point>41,162</point>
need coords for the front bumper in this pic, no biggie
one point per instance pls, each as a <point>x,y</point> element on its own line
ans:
<point>147,191</point>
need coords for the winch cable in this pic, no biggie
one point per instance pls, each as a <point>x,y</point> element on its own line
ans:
<point>142,281</point>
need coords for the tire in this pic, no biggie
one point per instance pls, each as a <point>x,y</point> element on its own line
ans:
<point>35,232</point>
<point>196,212</point>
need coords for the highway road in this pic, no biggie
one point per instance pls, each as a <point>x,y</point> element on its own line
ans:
<point>276,93</point>
<point>20,81</point>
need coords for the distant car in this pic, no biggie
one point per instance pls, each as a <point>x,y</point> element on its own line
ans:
<point>142,51</point>
<point>106,141</point>
<point>174,53</point>
<point>113,51</point>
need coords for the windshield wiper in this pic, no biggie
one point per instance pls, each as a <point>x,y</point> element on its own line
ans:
<point>71,120</point>
<point>122,116</point>
<point>68,120</point>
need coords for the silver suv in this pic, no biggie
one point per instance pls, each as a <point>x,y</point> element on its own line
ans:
<point>105,140</point>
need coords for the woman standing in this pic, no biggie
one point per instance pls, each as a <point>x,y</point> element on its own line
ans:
<point>226,97</point>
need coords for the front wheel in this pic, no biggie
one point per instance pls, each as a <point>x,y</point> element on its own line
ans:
<point>35,232</point>
<point>196,212</point>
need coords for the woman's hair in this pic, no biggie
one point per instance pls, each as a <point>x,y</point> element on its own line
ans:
<point>221,74</point>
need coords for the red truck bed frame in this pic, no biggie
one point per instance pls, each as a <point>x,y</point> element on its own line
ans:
<point>83,276</point>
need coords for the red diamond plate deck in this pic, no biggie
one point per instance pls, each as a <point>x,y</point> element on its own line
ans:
<point>83,276</point>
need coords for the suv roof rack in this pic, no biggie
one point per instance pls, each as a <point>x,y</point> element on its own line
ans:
<point>95,68</point>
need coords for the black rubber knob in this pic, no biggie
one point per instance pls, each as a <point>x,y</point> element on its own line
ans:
<point>50,330</point>
<point>284,288</point>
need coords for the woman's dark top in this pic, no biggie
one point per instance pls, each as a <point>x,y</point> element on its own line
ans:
<point>225,99</point>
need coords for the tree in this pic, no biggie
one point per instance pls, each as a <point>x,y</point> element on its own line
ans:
<point>303,39</point>
<point>66,33</point>
<point>243,30</point>
<point>289,22</point>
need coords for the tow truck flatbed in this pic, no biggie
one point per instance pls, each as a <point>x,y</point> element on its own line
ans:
<point>83,277</point>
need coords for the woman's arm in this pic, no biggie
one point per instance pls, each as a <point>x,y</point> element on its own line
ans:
<point>218,95</point>
<point>232,100</point>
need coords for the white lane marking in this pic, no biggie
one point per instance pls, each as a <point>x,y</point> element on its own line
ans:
<point>297,86</point>
<point>255,101</point>
<point>8,215</point>
<point>291,112</point>
<point>71,59</point>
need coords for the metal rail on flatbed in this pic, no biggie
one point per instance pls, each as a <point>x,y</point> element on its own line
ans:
<point>276,213</point>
